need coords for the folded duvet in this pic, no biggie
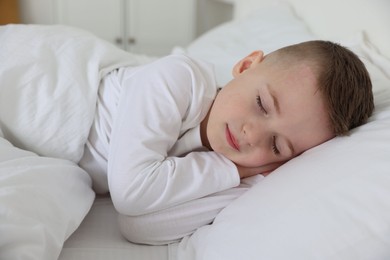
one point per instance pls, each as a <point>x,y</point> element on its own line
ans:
<point>49,76</point>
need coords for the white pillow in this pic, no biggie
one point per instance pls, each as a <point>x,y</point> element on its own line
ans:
<point>334,18</point>
<point>42,201</point>
<point>267,29</point>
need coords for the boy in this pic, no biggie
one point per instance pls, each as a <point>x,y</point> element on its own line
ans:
<point>171,149</point>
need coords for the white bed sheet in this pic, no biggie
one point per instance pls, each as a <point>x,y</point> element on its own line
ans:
<point>98,237</point>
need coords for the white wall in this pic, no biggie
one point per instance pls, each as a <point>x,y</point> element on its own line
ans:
<point>37,11</point>
<point>209,13</point>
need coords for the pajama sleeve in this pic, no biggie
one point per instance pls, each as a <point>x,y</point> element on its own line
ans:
<point>158,105</point>
<point>172,224</point>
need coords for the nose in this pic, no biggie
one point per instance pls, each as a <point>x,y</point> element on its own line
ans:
<point>254,134</point>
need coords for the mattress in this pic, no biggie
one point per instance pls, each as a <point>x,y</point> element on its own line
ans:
<point>98,237</point>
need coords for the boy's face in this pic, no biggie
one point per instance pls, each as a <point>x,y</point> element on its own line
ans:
<point>267,115</point>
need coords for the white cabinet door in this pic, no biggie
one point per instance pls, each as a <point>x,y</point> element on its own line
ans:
<point>105,18</point>
<point>156,26</point>
<point>151,27</point>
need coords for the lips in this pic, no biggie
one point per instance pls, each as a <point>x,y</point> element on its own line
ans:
<point>231,140</point>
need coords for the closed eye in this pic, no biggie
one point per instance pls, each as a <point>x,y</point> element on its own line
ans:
<point>260,104</point>
<point>275,149</point>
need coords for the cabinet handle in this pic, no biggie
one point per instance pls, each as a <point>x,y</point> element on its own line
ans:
<point>119,41</point>
<point>131,41</point>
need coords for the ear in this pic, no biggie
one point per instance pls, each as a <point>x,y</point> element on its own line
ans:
<point>247,62</point>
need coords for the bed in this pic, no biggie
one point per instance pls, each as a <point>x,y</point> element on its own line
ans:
<point>332,202</point>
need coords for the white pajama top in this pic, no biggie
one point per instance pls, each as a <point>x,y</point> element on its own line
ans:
<point>145,147</point>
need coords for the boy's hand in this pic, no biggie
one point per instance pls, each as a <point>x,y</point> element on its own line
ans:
<point>245,172</point>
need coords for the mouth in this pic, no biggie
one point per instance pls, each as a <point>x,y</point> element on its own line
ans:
<point>231,139</point>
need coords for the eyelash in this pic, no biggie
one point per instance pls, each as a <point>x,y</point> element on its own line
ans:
<point>260,104</point>
<point>275,149</point>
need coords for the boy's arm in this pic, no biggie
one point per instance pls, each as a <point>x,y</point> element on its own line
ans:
<point>155,106</point>
<point>172,224</point>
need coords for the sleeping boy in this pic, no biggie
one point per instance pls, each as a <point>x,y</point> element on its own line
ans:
<point>173,149</point>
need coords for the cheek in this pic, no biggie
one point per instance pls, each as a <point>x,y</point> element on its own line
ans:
<point>256,158</point>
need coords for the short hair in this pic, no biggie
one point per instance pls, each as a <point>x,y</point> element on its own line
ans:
<point>342,78</point>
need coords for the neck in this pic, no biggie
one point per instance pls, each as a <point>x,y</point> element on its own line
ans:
<point>203,131</point>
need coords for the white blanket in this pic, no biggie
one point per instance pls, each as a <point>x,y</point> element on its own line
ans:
<point>42,202</point>
<point>49,77</point>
